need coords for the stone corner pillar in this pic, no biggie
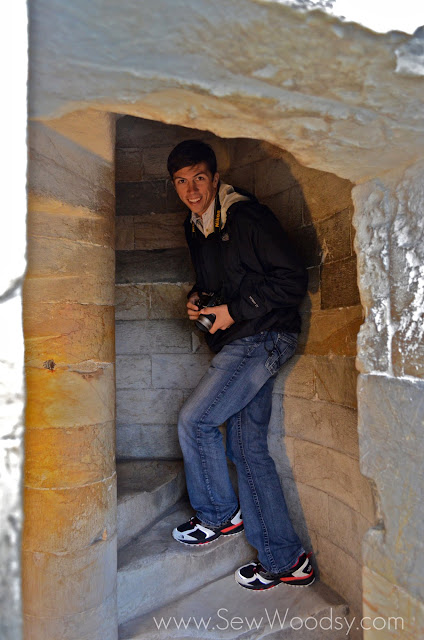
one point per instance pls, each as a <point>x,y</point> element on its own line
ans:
<point>69,550</point>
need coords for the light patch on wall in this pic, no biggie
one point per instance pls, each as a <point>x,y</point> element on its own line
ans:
<point>378,15</point>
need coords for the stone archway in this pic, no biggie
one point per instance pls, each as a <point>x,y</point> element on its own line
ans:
<point>340,99</point>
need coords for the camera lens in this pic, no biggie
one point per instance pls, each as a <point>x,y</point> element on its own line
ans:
<point>205,322</point>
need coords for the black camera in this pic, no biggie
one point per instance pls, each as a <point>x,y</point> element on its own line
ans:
<point>205,322</point>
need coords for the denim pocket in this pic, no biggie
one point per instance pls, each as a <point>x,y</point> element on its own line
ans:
<point>284,348</point>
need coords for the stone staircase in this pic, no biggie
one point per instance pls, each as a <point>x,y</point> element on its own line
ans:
<point>162,590</point>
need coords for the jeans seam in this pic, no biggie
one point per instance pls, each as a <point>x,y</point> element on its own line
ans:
<point>254,492</point>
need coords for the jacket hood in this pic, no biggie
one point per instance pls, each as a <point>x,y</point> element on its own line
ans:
<point>227,197</point>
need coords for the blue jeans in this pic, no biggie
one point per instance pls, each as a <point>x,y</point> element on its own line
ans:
<point>237,388</point>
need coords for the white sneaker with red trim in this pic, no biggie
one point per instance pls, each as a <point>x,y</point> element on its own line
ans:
<point>195,532</point>
<point>254,576</point>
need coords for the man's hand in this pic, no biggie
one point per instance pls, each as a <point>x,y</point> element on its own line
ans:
<point>223,318</point>
<point>192,309</point>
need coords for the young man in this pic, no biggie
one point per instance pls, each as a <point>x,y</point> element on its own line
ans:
<point>241,254</point>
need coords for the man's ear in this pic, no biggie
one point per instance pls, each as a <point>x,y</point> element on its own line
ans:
<point>215,179</point>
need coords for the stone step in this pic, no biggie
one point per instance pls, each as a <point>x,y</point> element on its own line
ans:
<point>146,490</point>
<point>230,612</point>
<point>154,569</point>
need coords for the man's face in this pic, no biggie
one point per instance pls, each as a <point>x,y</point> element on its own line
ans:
<point>196,187</point>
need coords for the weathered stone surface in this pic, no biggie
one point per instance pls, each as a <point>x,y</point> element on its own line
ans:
<point>154,551</point>
<point>245,151</point>
<point>334,473</point>
<point>339,287</point>
<point>62,169</point>
<point>348,584</point>
<point>312,300</point>
<point>323,423</point>
<point>407,274</point>
<point>133,372</point>
<point>73,518</point>
<point>146,489</point>
<point>296,377</point>
<point>314,508</point>
<point>132,301</point>
<point>346,528</point>
<point>163,265</point>
<point>335,235</point>
<point>79,289</point>
<point>272,176</point>
<point>129,165</point>
<point>330,332</point>
<point>153,336</point>
<point>61,220</point>
<point>391,441</point>
<point>151,301</point>
<point>148,406</point>
<point>64,398</point>
<point>178,371</point>
<point>336,379</point>
<point>243,177</point>
<point>67,457</point>
<point>100,623</point>
<point>48,256</point>
<point>325,194</point>
<point>159,231</point>
<point>68,333</point>
<point>54,580</point>
<point>147,441</point>
<point>234,614</point>
<point>390,611</point>
<point>139,198</point>
<point>124,233</point>
<point>287,206</point>
<point>90,129</point>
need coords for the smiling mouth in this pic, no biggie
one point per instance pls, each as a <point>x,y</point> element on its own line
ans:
<point>194,201</point>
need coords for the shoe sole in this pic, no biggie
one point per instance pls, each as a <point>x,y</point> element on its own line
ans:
<point>288,584</point>
<point>202,544</point>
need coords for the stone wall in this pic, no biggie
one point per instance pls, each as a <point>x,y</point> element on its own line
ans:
<point>160,357</point>
<point>69,541</point>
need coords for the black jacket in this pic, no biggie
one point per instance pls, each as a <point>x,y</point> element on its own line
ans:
<point>252,265</point>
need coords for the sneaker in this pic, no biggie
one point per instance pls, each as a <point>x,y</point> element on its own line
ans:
<point>254,576</point>
<point>195,532</point>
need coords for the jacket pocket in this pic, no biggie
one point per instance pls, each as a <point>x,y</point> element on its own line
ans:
<point>284,348</point>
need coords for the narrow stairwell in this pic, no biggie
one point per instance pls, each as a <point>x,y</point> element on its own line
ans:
<point>169,590</point>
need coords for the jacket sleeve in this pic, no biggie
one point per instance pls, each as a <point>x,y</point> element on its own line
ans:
<point>274,276</point>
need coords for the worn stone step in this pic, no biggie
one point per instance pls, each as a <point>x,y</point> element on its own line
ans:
<point>230,612</point>
<point>154,569</point>
<point>146,489</point>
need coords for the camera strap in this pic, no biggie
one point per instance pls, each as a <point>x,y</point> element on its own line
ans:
<point>217,217</point>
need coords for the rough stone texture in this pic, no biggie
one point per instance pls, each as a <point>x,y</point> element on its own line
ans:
<point>335,473</point>
<point>391,441</point>
<point>390,229</point>
<point>146,441</point>
<point>330,332</point>
<point>339,284</point>
<point>179,371</point>
<point>349,103</point>
<point>146,489</point>
<point>236,613</point>
<point>165,266</point>
<point>69,537</point>
<point>323,423</point>
<point>336,379</point>
<point>159,231</point>
<point>390,611</point>
<point>153,336</point>
<point>155,550</point>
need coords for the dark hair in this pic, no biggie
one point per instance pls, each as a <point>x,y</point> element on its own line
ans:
<point>189,153</point>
